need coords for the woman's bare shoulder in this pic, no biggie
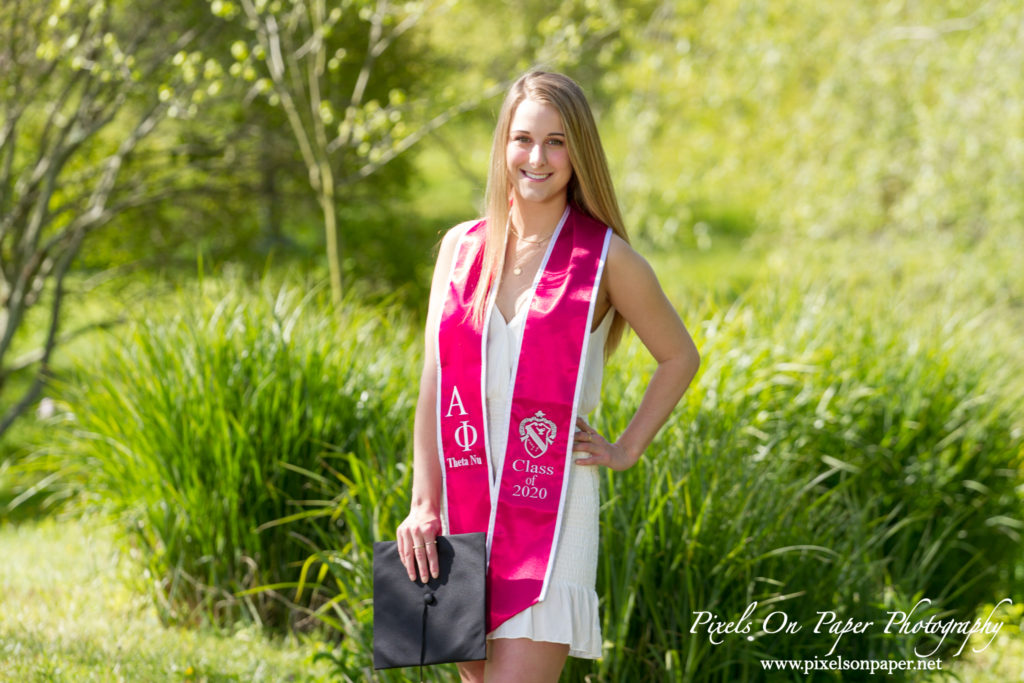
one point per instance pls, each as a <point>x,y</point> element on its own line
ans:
<point>454,234</point>
<point>631,279</point>
<point>451,238</point>
<point>621,254</point>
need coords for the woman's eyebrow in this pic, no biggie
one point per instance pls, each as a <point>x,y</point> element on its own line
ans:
<point>529,133</point>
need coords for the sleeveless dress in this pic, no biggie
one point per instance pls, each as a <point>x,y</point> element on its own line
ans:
<point>569,612</point>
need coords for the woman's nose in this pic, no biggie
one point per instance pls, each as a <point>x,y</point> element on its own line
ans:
<point>537,155</point>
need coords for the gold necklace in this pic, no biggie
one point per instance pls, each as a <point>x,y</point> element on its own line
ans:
<point>517,269</point>
<point>523,239</point>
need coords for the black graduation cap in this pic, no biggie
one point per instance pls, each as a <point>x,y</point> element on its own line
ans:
<point>440,621</point>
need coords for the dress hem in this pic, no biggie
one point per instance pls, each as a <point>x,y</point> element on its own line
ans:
<point>567,616</point>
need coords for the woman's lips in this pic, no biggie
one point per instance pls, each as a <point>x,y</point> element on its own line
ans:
<point>536,176</point>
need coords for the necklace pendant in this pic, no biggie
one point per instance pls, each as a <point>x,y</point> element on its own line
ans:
<point>517,271</point>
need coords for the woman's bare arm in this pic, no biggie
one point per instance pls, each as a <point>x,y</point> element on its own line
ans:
<point>633,290</point>
<point>417,532</point>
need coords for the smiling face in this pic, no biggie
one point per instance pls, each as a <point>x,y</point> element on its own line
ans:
<point>537,156</point>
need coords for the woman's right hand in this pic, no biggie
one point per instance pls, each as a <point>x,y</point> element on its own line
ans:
<point>417,543</point>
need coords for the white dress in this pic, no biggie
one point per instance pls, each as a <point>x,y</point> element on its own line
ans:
<point>569,612</point>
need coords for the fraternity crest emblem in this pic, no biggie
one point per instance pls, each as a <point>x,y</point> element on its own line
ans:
<point>537,433</point>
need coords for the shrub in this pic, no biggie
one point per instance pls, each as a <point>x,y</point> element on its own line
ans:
<point>210,422</point>
<point>832,455</point>
<point>825,460</point>
<point>828,458</point>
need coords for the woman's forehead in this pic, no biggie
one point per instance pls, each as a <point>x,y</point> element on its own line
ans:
<point>536,117</point>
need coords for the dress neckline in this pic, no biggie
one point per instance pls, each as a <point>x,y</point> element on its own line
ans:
<point>518,314</point>
<point>523,309</point>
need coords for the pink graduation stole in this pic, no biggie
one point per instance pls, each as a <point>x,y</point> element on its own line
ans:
<point>520,507</point>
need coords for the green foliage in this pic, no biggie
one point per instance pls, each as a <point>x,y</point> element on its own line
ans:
<point>361,118</point>
<point>822,119</point>
<point>833,454</point>
<point>849,444</point>
<point>208,424</point>
<point>81,89</point>
<point>827,458</point>
<point>70,614</point>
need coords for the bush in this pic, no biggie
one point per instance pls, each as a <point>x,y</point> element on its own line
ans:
<point>213,421</point>
<point>833,454</point>
<point>830,457</point>
<point>825,460</point>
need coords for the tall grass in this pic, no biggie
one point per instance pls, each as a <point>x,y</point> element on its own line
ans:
<point>829,458</point>
<point>833,455</point>
<point>208,424</point>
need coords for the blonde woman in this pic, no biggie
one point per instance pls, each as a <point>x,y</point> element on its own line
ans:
<point>524,307</point>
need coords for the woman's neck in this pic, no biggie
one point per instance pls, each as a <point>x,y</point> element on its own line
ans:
<point>533,220</point>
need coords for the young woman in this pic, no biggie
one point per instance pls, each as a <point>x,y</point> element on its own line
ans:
<point>524,307</point>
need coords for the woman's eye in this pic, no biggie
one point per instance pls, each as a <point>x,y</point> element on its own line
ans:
<point>521,138</point>
<point>556,141</point>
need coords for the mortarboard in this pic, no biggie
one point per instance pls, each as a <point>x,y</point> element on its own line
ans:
<point>440,621</point>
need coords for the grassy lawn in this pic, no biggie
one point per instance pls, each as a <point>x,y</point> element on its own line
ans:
<point>1001,662</point>
<point>69,614</point>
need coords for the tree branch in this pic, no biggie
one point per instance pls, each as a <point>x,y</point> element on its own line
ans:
<point>270,40</point>
<point>31,358</point>
<point>32,393</point>
<point>376,28</point>
<point>406,24</point>
<point>424,130</point>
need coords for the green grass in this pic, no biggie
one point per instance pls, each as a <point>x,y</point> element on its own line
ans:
<point>721,272</point>
<point>1000,662</point>
<point>203,427</point>
<point>69,614</point>
<point>843,448</point>
<point>849,445</point>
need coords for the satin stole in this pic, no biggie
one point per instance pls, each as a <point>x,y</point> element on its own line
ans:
<point>521,507</point>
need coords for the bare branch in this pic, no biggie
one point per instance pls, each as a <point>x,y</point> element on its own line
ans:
<point>376,28</point>
<point>939,30</point>
<point>96,214</point>
<point>424,130</point>
<point>31,358</point>
<point>35,190</point>
<point>451,150</point>
<point>56,107</point>
<point>406,24</point>
<point>32,393</point>
<point>84,103</point>
<point>277,74</point>
<point>314,72</point>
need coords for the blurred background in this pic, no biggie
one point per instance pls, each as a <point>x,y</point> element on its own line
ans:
<point>218,221</point>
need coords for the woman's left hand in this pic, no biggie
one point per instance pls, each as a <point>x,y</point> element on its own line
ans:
<point>602,451</point>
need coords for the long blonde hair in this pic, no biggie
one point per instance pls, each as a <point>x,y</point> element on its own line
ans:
<point>590,187</point>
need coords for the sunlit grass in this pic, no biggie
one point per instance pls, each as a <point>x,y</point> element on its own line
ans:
<point>987,660</point>
<point>806,348</point>
<point>69,614</point>
<point>217,416</point>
